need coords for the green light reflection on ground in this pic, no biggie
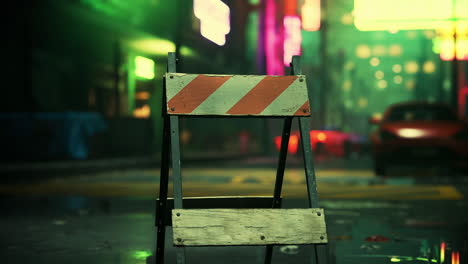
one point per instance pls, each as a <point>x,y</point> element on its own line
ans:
<point>141,254</point>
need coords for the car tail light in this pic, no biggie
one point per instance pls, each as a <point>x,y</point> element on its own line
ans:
<point>293,143</point>
<point>322,137</point>
<point>278,143</point>
<point>385,135</point>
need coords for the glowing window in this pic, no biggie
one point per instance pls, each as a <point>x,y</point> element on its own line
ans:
<point>310,13</point>
<point>214,19</point>
<point>144,67</point>
<point>444,43</point>
<point>407,14</point>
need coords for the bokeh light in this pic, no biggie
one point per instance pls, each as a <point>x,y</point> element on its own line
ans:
<point>396,68</point>
<point>379,50</point>
<point>379,74</point>
<point>411,67</point>
<point>410,84</point>
<point>374,61</point>
<point>429,67</point>
<point>347,85</point>
<point>398,79</point>
<point>362,102</point>
<point>395,50</point>
<point>363,51</point>
<point>382,84</point>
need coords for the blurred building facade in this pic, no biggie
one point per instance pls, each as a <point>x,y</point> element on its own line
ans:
<point>90,56</point>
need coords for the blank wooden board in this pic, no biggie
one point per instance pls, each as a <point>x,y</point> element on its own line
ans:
<point>229,227</point>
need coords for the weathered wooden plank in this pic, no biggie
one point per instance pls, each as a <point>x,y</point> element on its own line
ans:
<point>223,227</point>
<point>225,202</point>
<point>236,95</point>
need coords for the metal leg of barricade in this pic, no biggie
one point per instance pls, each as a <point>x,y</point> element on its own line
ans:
<point>279,176</point>
<point>175,156</point>
<point>319,254</point>
<point>176,177</point>
<point>163,188</point>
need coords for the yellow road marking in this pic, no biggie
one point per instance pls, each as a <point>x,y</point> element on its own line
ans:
<point>150,189</point>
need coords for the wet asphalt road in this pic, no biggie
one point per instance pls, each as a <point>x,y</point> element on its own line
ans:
<point>108,217</point>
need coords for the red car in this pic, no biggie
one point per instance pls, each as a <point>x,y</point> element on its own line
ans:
<point>415,133</point>
<point>330,142</point>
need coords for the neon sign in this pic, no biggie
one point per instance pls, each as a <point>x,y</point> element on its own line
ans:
<point>144,67</point>
<point>273,40</point>
<point>408,14</point>
<point>214,19</point>
<point>445,45</point>
<point>310,13</point>
<point>292,38</point>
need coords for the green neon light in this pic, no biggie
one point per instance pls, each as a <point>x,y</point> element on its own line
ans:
<point>426,259</point>
<point>144,67</point>
<point>408,14</point>
<point>152,45</point>
<point>188,52</point>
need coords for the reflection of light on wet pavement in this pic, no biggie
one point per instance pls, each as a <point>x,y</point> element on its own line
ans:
<point>141,254</point>
<point>289,250</point>
<point>442,252</point>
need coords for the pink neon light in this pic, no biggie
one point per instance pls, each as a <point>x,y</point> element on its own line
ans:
<point>310,13</point>
<point>214,19</point>
<point>462,92</point>
<point>273,43</point>
<point>292,38</point>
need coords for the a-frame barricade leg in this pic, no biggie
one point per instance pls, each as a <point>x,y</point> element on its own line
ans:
<point>319,254</point>
<point>161,206</point>
<point>279,176</point>
<point>177,177</point>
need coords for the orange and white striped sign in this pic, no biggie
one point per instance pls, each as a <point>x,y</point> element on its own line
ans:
<point>236,95</point>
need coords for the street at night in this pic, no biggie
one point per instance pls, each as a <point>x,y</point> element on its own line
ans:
<point>108,216</point>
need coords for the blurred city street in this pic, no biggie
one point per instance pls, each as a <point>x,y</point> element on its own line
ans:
<point>102,99</point>
<point>108,216</point>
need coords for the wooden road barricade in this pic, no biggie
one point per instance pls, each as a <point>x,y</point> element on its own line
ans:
<point>232,221</point>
